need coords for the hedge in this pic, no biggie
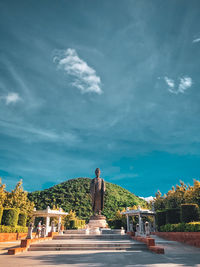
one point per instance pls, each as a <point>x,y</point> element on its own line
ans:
<point>22,219</point>
<point>173,216</point>
<point>160,218</point>
<point>76,224</point>
<point>12,229</point>
<point>10,217</point>
<point>1,213</point>
<point>189,213</point>
<point>116,224</point>
<point>181,227</point>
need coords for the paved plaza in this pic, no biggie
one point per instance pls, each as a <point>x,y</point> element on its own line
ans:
<point>176,254</point>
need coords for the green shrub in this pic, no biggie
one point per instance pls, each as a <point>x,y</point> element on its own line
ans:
<point>192,227</point>
<point>173,216</point>
<point>1,213</point>
<point>160,218</point>
<point>189,213</point>
<point>76,224</point>
<point>116,224</point>
<point>21,229</point>
<point>10,217</point>
<point>22,219</point>
<point>12,229</point>
<point>181,227</point>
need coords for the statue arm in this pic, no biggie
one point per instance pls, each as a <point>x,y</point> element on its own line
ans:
<point>92,191</point>
<point>104,186</point>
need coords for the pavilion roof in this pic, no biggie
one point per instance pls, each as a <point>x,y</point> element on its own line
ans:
<point>49,213</point>
<point>144,212</point>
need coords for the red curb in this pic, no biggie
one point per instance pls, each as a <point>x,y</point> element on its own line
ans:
<point>25,243</point>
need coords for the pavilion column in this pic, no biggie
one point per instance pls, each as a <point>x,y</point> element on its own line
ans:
<point>154,223</point>
<point>140,224</point>
<point>59,224</point>
<point>127,220</point>
<point>47,224</point>
<point>33,220</point>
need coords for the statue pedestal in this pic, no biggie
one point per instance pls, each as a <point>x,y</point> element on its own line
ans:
<point>97,221</point>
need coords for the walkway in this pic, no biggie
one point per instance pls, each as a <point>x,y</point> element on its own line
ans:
<point>176,254</point>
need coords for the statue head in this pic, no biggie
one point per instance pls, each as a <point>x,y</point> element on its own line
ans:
<point>97,172</point>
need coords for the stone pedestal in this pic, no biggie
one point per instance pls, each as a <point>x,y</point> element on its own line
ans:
<point>97,221</point>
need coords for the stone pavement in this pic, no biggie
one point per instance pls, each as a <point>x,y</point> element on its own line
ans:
<point>176,254</point>
<point>4,246</point>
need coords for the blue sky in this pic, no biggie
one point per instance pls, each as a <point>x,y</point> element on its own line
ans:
<point>109,84</point>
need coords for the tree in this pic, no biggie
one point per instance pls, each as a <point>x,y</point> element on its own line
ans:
<point>192,195</point>
<point>2,193</point>
<point>159,203</point>
<point>17,198</point>
<point>175,197</point>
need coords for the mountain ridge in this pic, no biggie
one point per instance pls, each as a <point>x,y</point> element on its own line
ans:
<point>74,194</point>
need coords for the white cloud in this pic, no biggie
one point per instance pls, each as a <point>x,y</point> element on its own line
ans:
<point>11,98</point>
<point>148,199</point>
<point>86,79</point>
<point>170,82</point>
<point>196,40</point>
<point>185,83</point>
<point>182,86</point>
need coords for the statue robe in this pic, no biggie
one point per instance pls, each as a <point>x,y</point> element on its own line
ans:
<point>97,190</point>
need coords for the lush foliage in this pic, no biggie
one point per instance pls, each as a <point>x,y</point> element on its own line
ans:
<point>12,229</point>
<point>17,198</point>
<point>75,195</point>
<point>189,213</point>
<point>22,219</point>
<point>160,218</point>
<point>76,224</point>
<point>118,221</point>
<point>2,193</point>
<point>181,227</point>
<point>71,216</point>
<point>173,216</point>
<point>181,204</point>
<point>10,217</point>
<point>1,213</point>
<point>178,195</point>
<point>14,207</point>
<point>72,222</point>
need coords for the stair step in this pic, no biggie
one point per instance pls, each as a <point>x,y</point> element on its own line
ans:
<point>85,248</point>
<point>80,236</point>
<point>89,245</point>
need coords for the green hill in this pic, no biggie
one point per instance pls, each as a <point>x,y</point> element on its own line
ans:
<point>74,195</point>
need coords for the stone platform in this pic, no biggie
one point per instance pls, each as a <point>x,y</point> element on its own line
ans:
<point>97,221</point>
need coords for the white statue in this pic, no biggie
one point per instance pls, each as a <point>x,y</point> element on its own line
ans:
<point>30,231</point>
<point>147,230</point>
<point>43,232</point>
<point>137,229</point>
<point>52,226</point>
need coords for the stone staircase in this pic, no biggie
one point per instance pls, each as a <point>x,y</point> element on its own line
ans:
<point>105,242</point>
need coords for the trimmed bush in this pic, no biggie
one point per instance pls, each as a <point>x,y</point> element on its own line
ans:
<point>116,224</point>
<point>11,229</point>
<point>160,218</point>
<point>10,217</point>
<point>173,216</point>
<point>189,213</point>
<point>22,219</point>
<point>181,227</point>
<point>76,224</point>
<point>192,227</point>
<point>1,213</point>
